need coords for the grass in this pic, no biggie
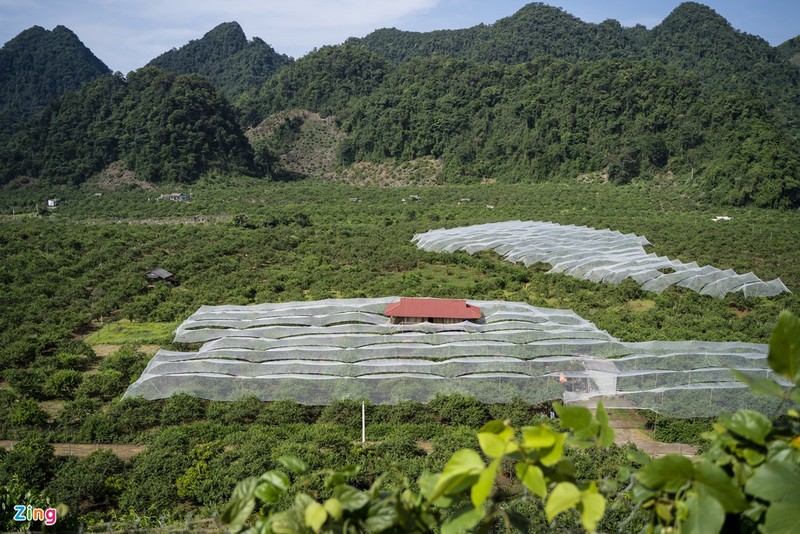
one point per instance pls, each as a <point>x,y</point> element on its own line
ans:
<point>135,333</point>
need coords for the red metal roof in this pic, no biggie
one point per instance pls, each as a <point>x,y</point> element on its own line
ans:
<point>433,308</point>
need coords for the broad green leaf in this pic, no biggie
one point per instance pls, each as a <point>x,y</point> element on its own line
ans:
<point>532,478</point>
<point>268,493</point>
<point>795,395</point>
<point>492,445</point>
<point>241,504</point>
<point>381,516</point>
<point>664,511</point>
<point>749,424</point>
<point>497,427</point>
<point>760,384</point>
<point>462,520</point>
<point>784,347</point>
<point>575,417</point>
<point>245,488</point>
<point>563,497</point>
<point>753,457</point>
<point>705,514</point>
<point>592,508</point>
<point>775,481</point>
<point>293,464</point>
<point>315,516</point>
<point>638,457</point>
<point>334,508</point>
<point>667,473</point>
<point>286,522</point>
<point>782,517</point>
<point>606,432</point>
<point>236,513</point>
<point>538,437</point>
<point>711,479</point>
<point>464,461</point>
<point>277,479</point>
<point>483,487</point>
<point>427,484</point>
<point>461,470</point>
<point>552,455</point>
<point>351,498</point>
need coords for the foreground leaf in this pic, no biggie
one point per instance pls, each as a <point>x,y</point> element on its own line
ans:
<point>483,487</point>
<point>463,519</point>
<point>592,508</point>
<point>293,464</point>
<point>315,516</point>
<point>705,515</point>
<point>667,473</point>
<point>532,478</point>
<point>563,497</point>
<point>784,347</point>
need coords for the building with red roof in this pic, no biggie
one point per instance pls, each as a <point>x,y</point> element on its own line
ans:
<point>443,311</point>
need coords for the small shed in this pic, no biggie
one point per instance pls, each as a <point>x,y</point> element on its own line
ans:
<point>441,311</point>
<point>175,197</point>
<point>162,274</point>
<point>53,202</point>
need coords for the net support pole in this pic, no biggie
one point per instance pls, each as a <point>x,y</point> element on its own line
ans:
<point>363,424</point>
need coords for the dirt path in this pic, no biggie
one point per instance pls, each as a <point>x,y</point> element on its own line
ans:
<point>124,452</point>
<point>629,428</point>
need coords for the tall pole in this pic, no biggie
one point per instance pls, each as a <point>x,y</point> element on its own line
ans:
<point>363,424</point>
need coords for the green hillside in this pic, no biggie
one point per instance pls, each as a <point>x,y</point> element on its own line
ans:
<point>791,50</point>
<point>162,126</point>
<point>37,66</point>
<point>226,58</point>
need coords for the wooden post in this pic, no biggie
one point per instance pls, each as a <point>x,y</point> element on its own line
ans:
<point>363,424</point>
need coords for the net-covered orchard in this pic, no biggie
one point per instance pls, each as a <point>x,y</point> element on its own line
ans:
<point>319,352</point>
<point>598,255</point>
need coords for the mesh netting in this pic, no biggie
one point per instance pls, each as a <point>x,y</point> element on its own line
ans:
<point>303,351</point>
<point>596,255</point>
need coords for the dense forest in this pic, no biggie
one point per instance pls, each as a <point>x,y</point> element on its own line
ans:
<point>231,63</point>
<point>38,66</point>
<point>161,126</point>
<point>536,96</point>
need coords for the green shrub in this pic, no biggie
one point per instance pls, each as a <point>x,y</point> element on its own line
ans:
<point>31,460</point>
<point>127,361</point>
<point>105,385</point>
<point>82,484</point>
<point>345,412</point>
<point>63,384</point>
<point>241,411</point>
<point>284,412</point>
<point>403,412</point>
<point>75,412</point>
<point>456,409</point>
<point>134,414</point>
<point>182,408</point>
<point>26,413</point>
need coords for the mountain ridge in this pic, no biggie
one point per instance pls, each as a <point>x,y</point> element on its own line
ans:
<point>61,63</point>
<point>225,56</point>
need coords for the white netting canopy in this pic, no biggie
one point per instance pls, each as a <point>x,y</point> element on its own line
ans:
<point>596,255</point>
<point>318,352</point>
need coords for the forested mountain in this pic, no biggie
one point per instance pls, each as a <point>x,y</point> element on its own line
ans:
<point>37,66</point>
<point>791,50</point>
<point>226,58</point>
<point>542,95</point>
<point>162,126</point>
<point>539,96</point>
<point>535,30</point>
